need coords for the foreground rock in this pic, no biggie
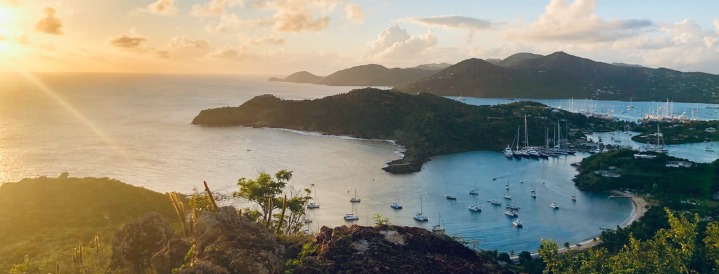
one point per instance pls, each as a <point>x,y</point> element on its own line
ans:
<point>225,243</point>
<point>391,249</point>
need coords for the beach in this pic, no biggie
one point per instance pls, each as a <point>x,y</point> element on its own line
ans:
<point>639,208</point>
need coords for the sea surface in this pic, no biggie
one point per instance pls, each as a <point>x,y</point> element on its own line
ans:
<point>136,128</point>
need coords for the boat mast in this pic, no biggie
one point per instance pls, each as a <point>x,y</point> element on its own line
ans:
<point>526,131</point>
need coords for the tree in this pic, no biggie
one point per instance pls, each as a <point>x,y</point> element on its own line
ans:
<point>264,191</point>
<point>380,220</point>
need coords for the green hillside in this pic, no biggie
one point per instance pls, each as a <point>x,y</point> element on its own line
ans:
<point>45,218</point>
<point>425,124</point>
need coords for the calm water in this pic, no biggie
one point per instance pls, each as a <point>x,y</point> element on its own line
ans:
<point>136,128</point>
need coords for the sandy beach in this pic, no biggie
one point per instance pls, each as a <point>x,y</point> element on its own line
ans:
<point>639,208</point>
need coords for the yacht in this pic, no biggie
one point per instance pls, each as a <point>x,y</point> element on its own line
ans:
<point>574,198</point>
<point>438,227</point>
<point>494,202</point>
<point>517,223</point>
<point>533,193</point>
<point>351,217</point>
<point>450,197</point>
<point>510,213</point>
<point>355,199</point>
<point>508,152</point>
<point>313,205</point>
<point>554,205</point>
<point>420,217</point>
<point>506,196</point>
<point>474,192</point>
<point>396,205</point>
<point>474,208</point>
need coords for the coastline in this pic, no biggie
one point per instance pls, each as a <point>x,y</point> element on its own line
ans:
<point>639,208</point>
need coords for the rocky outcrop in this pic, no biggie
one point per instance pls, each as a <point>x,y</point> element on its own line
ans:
<point>391,249</point>
<point>133,246</point>
<point>171,256</point>
<point>225,243</point>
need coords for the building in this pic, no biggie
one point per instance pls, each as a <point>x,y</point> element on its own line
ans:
<point>678,164</point>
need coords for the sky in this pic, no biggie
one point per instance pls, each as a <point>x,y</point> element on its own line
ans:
<point>321,36</point>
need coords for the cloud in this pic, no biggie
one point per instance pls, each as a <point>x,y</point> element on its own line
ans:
<point>453,21</point>
<point>272,40</point>
<point>163,7</point>
<point>296,15</point>
<point>214,7</point>
<point>395,43</point>
<point>49,24</point>
<point>716,25</point>
<point>230,53</point>
<point>354,13</point>
<point>185,48</point>
<point>127,41</point>
<point>577,22</point>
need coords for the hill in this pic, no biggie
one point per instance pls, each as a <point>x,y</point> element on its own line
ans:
<point>561,75</point>
<point>366,75</point>
<point>47,217</point>
<point>425,124</point>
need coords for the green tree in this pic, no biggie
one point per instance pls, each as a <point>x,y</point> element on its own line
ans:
<point>548,251</point>
<point>295,213</point>
<point>380,220</point>
<point>711,242</point>
<point>264,191</point>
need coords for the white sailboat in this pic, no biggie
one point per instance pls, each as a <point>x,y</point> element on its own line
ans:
<point>438,228</point>
<point>420,217</point>
<point>474,191</point>
<point>474,207</point>
<point>355,199</point>
<point>517,223</point>
<point>315,204</point>
<point>352,216</point>
<point>396,205</point>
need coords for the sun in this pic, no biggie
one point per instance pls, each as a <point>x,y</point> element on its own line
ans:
<point>7,16</point>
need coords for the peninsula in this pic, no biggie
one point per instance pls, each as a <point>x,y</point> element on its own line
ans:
<point>425,124</point>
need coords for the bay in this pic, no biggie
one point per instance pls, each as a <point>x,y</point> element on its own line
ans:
<point>136,128</point>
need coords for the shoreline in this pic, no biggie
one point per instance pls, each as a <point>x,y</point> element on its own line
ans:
<point>639,208</point>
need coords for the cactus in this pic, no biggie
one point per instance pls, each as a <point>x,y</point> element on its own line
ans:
<point>209,195</point>
<point>97,245</point>
<point>269,214</point>
<point>187,225</point>
<point>77,255</point>
<point>282,215</point>
<point>57,267</point>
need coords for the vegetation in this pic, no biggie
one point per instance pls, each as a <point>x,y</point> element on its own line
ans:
<point>677,133</point>
<point>426,125</point>
<point>647,175</point>
<point>67,223</point>
<point>364,75</point>
<point>684,247</point>
<point>265,190</point>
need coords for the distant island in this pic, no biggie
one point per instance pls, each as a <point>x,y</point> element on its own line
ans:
<point>425,124</point>
<point>528,75</point>
<point>366,75</point>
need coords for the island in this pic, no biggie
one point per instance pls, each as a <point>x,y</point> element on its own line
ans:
<point>424,124</point>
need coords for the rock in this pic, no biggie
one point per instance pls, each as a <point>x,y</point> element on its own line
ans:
<point>171,256</point>
<point>225,243</point>
<point>133,246</point>
<point>391,249</point>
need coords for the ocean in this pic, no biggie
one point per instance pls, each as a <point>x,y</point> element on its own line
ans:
<point>136,128</point>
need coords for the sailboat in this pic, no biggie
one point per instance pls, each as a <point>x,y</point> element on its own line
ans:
<point>438,227</point>
<point>659,147</point>
<point>532,192</point>
<point>474,191</point>
<point>396,205</point>
<point>420,216</point>
<point>352,216</point>
<point>554,205</point>
<point>508,150</point>
<point>574,197</point>
<point>355,199</point>
<point>517,223</point>
<point>474,207</point>
<point>313,205</point>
